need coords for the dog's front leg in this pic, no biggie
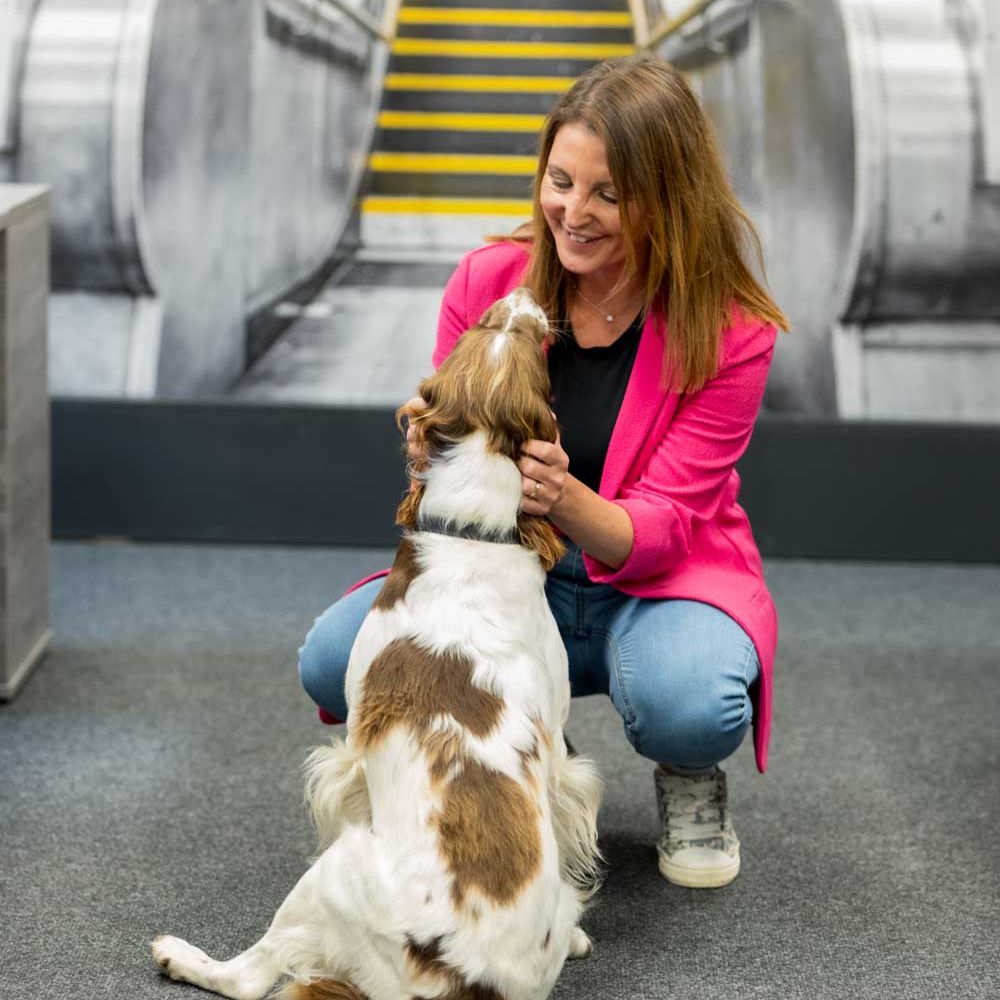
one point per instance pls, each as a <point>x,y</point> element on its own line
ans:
<point>251,974</point>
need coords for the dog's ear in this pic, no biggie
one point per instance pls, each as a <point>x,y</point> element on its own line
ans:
<point>406,512</point>
<point>539,536</point>
<point>408,415</point>
<point>531,420</point>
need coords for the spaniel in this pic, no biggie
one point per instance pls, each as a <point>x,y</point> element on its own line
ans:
<point>459,835</point>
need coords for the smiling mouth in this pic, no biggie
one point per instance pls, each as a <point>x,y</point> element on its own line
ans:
<point>578,238</point>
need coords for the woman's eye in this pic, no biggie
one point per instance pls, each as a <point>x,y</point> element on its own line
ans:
<point>561,184</point>
<point>609,198</point>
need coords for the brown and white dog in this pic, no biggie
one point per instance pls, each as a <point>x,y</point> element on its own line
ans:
<point>460,837</point>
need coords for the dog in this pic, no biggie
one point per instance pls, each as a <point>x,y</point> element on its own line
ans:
<point>458,834</point>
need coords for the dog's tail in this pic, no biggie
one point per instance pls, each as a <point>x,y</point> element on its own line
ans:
<point>321,989</point>
<point>336,790</point>
<point>576,792</point>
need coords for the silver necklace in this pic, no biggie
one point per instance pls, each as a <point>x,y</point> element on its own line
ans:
<point>609,318</point>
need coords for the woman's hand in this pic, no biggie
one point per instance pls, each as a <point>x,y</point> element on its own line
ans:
<point>544,474</point>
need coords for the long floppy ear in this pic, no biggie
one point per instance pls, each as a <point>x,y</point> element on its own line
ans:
<point>406,512</point>
<point>539,536</point>
<point>520,420</point>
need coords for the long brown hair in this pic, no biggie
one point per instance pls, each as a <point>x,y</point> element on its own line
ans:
<point>683,225</point>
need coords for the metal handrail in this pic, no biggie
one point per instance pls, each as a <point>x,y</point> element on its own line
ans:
<point>361,18</point>
<point>666,26</point>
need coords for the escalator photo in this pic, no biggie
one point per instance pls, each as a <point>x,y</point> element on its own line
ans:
<point>263,200</point>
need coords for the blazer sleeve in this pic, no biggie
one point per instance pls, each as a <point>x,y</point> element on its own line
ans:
<point>453,318</point>
<point>686,477</point>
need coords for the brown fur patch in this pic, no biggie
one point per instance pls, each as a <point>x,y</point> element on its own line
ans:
<point>425,962</point>
<point>472,991</point>
<point>322,989</point>
<point>408,684</point>
<point>444,752</point>
<point>488,829</point>
<point>405,569</point>
<point>529,757</point>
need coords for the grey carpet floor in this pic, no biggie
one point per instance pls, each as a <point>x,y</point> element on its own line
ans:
<point>149,781</point>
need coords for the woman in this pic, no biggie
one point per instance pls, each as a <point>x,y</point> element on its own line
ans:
<point>638,254</point>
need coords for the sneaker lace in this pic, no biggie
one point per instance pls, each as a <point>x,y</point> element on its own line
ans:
<point>693,812</point>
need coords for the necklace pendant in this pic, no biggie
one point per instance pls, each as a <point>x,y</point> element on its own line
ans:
<point>609,318</point>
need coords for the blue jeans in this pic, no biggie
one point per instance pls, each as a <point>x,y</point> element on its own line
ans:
<point>678,672</point>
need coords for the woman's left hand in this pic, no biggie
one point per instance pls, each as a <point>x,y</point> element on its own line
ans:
<point>544,473</point>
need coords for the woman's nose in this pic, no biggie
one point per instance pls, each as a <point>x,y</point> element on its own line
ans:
<point>575,213</point>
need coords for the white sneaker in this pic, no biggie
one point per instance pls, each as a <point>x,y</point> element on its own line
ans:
<point>698,848</point>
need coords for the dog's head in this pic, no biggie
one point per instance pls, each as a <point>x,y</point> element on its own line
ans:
<point>495,382</point>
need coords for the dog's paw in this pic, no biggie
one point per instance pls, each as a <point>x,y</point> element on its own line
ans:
<point>580,946</point>
<point>178,959</point>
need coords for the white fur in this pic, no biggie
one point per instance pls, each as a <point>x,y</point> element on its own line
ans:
<point>521,302</point>
<point>382,878</point>
<point>469,485</point>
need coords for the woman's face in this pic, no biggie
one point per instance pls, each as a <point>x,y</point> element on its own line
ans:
<point>580,205</point>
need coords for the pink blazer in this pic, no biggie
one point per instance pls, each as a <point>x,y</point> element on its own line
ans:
<point>670,465</point>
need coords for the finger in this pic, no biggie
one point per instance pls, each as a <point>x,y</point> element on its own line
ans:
<point>533,469</point>
<point>533,507</point>
<point>549,452</point>
<point>531,487</point>
<point>535,448</point>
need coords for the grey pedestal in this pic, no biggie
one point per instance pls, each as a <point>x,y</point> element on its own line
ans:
<point>24,433</point>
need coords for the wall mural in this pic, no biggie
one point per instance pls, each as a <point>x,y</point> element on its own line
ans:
<point>262,199</point>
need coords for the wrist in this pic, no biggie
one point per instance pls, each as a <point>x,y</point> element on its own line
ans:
<point>564,501</point>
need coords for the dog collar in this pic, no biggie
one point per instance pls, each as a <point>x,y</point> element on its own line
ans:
<point>473,532</point>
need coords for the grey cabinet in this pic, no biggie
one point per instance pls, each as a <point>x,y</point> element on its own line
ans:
<point>24,433</point>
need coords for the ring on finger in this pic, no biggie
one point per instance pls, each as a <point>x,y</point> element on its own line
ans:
<point>534,493</point>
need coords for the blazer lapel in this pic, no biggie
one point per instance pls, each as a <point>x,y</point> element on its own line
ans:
<point>642,404</point>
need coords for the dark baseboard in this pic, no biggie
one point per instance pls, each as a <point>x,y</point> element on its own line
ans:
<point>870,490</point>
<point>227,472</point>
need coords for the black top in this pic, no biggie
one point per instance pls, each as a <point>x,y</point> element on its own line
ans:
<point>588,386</point>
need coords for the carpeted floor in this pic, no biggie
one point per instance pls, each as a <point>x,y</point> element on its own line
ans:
<point>149,782</point>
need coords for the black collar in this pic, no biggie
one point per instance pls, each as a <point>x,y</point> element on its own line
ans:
<point>474,532</point>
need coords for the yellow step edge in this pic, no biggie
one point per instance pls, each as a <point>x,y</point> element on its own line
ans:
<point>458,48</point>
<point>480,84</point>
<point>447,206</point>
<point>496,17</point>
<point>452,163</point>
<point>457,121</point>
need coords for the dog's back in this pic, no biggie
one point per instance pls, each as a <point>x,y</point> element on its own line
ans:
<point>458,687</point>
<point>461,838</point>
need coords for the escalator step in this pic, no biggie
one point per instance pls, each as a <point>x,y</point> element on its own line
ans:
<point>467,88</point>
<point>459,121</point>
<point>448,206</point>
<point>469,101</point>
<point>581,6</point>
<point>437,141</point>
<point>450,185</point>
<point>463,48</point>
<point>482,83</point>
<point>499,34</point>
<point>505,16</point>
